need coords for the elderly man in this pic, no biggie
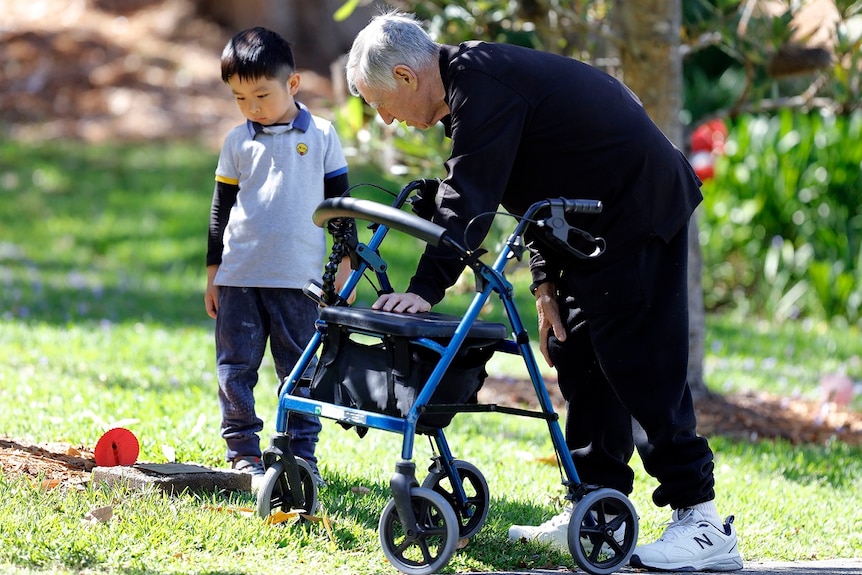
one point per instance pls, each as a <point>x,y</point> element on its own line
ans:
<point>527,125</point>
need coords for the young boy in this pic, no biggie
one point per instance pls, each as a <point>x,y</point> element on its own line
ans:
<point>263,247</point>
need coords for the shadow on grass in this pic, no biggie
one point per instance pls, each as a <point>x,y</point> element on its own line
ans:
<point>350,505</point>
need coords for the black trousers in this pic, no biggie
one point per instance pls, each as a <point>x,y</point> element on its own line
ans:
<point>626,356</point>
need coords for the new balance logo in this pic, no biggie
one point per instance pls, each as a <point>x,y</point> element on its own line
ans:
<point>704,541</point>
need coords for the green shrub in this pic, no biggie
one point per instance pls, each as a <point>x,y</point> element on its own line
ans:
<point>781,223</point>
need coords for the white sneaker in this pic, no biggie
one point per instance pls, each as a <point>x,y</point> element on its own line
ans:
<point>691,543</point>
<point>554,531</point>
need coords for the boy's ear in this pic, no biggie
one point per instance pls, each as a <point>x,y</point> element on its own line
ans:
<point>293,82</point>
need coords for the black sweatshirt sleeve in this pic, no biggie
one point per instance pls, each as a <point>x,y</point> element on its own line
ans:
<point>335,186</point>
<point>224,197</point>
<point>486,123</point>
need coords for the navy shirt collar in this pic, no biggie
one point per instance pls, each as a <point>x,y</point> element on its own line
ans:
<point>301,122</point>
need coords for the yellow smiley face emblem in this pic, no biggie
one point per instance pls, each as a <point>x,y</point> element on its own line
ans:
<point>301,149</point>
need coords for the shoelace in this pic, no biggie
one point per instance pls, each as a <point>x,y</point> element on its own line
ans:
<point>674,531</point>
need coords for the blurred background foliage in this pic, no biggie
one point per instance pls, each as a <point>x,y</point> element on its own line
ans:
<point>781,224</point>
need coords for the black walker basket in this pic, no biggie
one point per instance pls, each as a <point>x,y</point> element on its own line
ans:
<point>386,374</point>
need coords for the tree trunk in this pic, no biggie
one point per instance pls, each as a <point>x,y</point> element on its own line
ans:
<point>317,39</point>
<point>652,63</point>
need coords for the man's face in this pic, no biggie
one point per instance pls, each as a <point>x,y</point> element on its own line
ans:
<point>264,100</point>
<point>411,101</point>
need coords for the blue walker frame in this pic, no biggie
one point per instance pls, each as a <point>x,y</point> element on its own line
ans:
<point>599,513</point>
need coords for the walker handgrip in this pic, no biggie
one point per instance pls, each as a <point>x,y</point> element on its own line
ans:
<point>378,213</point>
<point>582,206</point>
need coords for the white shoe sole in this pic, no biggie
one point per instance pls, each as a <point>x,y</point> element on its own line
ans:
<point>732,562</point>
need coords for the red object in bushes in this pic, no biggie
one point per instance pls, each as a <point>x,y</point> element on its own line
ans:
<point>707,141</point>
<point>703,164</point>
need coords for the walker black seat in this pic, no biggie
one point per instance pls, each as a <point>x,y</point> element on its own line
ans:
<point>411,325</point>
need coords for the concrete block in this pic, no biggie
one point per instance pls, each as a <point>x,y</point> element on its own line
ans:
<point>173,478</point>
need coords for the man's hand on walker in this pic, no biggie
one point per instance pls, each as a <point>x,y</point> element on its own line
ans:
<point>401,303</point>
<point>549,318</point>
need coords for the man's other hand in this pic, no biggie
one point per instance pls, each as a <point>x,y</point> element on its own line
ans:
<point>401,303</point>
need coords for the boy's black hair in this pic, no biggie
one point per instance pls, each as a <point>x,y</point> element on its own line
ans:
<point>257,53</point>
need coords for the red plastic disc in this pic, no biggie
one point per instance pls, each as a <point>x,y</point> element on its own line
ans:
<point>118,446</point>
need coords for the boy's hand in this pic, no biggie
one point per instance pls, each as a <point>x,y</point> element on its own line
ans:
<point>341,278</point>
<point>211,293</point>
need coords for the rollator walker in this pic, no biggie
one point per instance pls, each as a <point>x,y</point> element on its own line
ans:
<point>421,370</point>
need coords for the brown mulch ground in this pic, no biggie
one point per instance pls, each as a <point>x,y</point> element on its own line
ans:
<point>108,70</point>
<point>749,416</point>
<point>52,464</point>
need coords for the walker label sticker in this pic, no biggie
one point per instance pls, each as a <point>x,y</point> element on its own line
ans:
<point>331,411</point>
<point>345,415</point>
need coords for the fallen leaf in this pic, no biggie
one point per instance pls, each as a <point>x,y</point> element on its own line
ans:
<point>170,453</point>
<point>199,425</point>
<point>98,515</point>
<point>281,517</point>
<point>49,484</point>
<point>549,460</point>
<point>360,490</point>
<point>238,510</point>
<point>328,525</point>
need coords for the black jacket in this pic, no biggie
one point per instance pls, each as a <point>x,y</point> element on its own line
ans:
<point>528,125</point>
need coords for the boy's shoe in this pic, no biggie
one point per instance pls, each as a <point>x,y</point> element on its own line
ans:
<point>554,531</point>
<point>321,483</point>
<point>253,466</point>
<point>315,473</point>
<point>691,543</point>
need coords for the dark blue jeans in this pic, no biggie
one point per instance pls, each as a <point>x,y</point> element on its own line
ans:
<point>247,318</point>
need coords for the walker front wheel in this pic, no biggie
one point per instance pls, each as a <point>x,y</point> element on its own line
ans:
<point>603,532</point>
<point>275,494</point>
<point>474,510</point>
<point>426,546</point>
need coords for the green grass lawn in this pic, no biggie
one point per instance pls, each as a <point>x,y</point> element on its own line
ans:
<point>102,324</point>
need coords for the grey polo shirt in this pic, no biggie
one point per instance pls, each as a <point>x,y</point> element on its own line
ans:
<point>270,240</point>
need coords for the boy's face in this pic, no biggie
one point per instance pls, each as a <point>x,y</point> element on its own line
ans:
<point>265,100</point>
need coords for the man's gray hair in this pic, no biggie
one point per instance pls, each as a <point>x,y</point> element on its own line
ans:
<point>390,39</point>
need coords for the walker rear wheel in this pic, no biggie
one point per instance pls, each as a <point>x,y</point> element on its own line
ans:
<point>426,546</point>
<point>603,531</point>
<point>274,493</point>
<point>471,516</point>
